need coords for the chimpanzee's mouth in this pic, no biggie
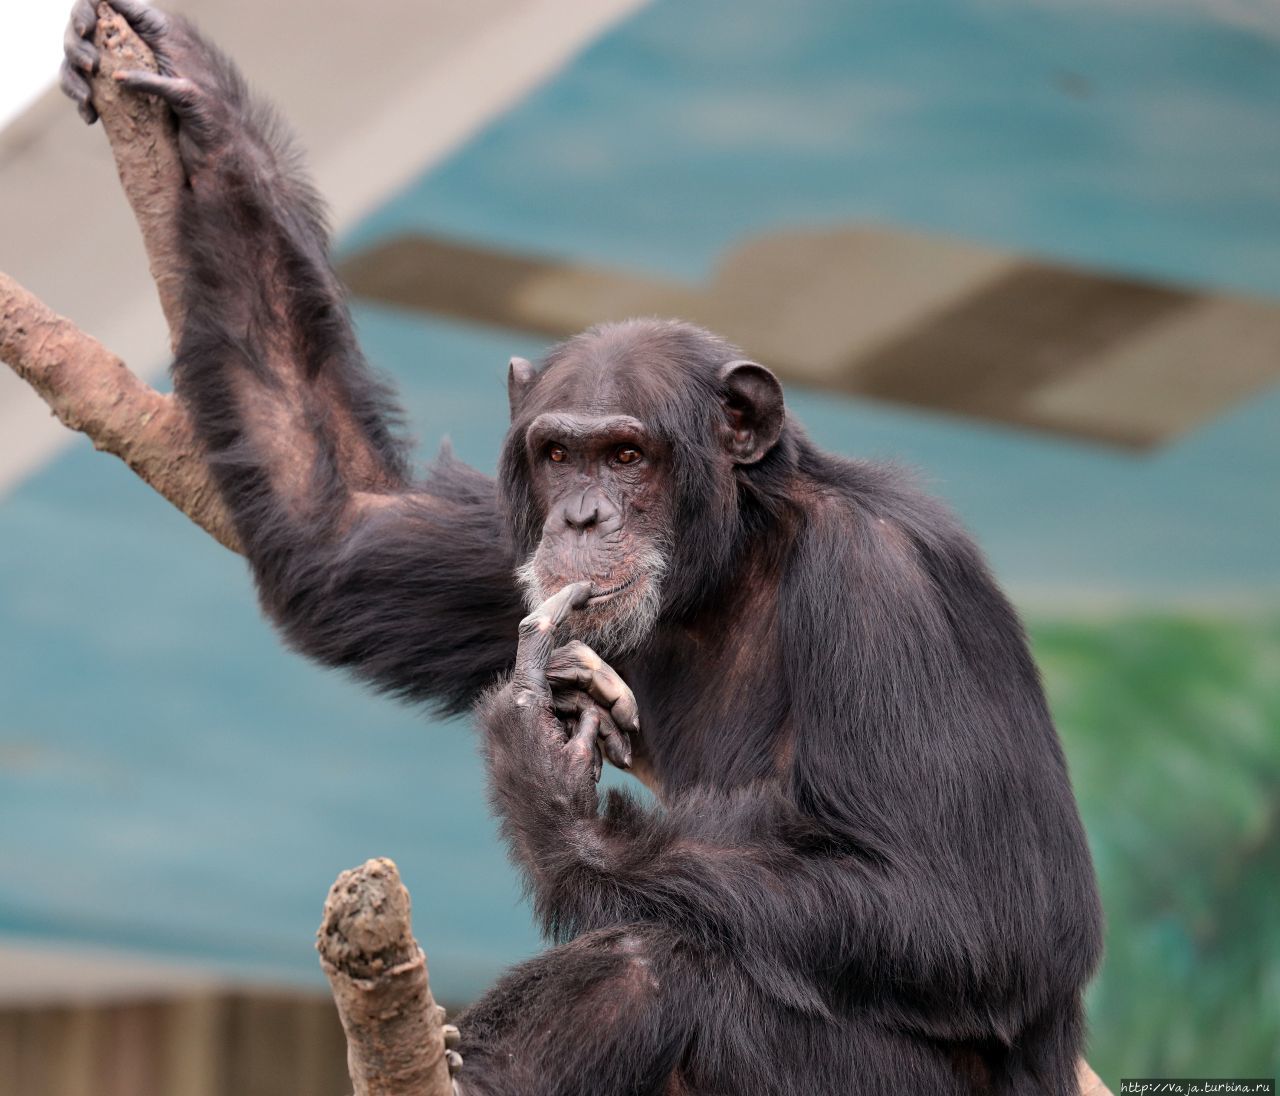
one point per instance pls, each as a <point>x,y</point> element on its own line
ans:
<point>599,596</point>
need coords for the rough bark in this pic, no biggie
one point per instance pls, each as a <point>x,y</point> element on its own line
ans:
<point>89,389</point>
<point>378,974</point>
<point>144,143</point>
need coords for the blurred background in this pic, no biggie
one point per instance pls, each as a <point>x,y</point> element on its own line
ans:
<point>1028,247</point>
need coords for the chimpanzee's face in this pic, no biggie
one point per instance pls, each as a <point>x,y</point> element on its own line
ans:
<point>630,434</point>
<point>599,480</point>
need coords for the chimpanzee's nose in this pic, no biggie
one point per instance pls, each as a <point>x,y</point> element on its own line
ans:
<point>582,511</point>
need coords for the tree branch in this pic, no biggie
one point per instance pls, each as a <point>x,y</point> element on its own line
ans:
<point>91,390</point>
<point>88,387</point>
<point>378,974</point>
<point>144,143</point>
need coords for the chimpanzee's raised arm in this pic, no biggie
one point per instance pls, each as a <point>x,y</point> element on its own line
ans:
<point>409,585</point>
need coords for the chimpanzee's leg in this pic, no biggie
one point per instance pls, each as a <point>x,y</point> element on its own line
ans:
<point>601,1015</point>
<point>630,1011</point>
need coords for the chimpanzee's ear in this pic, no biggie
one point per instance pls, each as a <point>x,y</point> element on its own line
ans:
<point>753,400</point>
<point>520,376</point>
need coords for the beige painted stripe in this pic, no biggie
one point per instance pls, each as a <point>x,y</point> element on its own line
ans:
<point>989,353</point>
<point>33,971</point>
<point>1170,378</point>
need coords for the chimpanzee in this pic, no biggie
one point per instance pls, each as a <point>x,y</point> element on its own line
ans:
<point>864,872</point>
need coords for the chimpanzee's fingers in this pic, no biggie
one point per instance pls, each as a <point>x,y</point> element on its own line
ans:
<point>585,743</point>
<point>147,22</point>
<point>80,60</point>
<point>571,703</point>
<point>577,664</point>
<point>75,86</point>
<point>181,94</point>
<point>538,634</point>
<point>84,18</point>
<point>78,51</point>
<point>615,744</point>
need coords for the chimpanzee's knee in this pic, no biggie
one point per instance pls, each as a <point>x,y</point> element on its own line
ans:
<point>594,1015</point>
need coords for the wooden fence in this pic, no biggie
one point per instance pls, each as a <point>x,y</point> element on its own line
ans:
<point>244,1043</point>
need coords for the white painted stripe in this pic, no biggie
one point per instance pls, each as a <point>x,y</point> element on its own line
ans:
<point>434,116</point>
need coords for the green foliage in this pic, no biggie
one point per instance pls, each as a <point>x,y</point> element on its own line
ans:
<point>1172,728</point>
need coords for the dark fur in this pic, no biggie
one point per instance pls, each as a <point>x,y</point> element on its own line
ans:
<point>867,874</point>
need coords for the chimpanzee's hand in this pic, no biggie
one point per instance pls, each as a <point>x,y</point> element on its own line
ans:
<point>584,686</point>
<point>195,80</point>
<point>564,707</point>
<point>80,58</point>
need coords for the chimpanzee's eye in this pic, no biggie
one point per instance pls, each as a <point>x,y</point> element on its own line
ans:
<point>627,455</point>
<point>557,454</point>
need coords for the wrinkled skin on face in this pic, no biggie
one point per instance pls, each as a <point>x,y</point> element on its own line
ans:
<point>598,479</point>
